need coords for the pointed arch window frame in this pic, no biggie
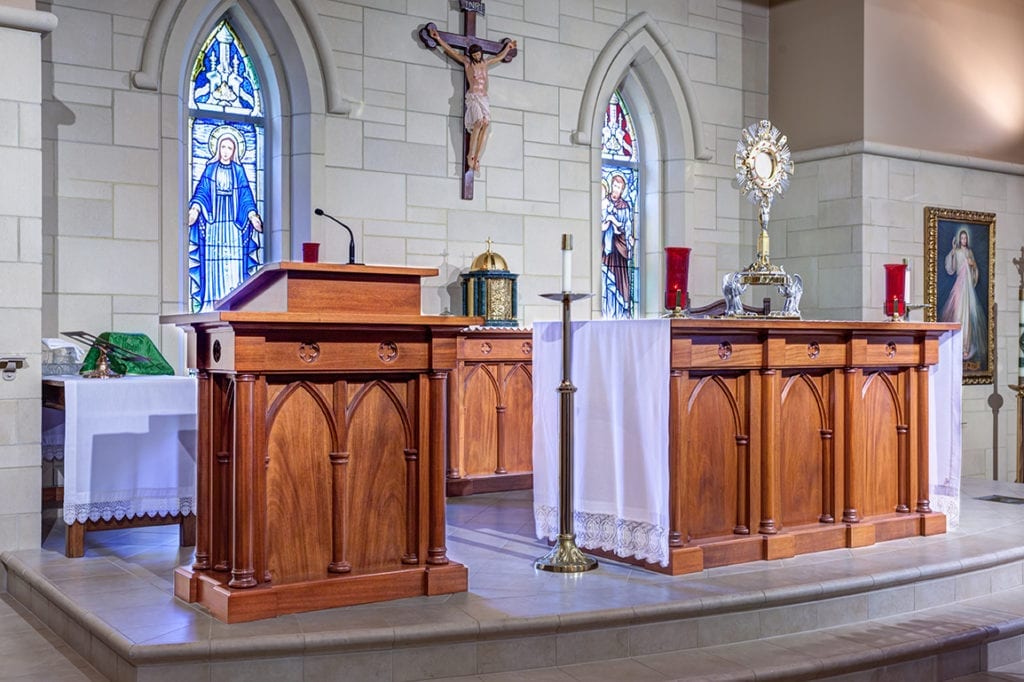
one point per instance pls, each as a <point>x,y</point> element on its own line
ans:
<point>640,53</point>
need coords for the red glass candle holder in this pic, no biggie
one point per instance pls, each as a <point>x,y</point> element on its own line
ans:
<point>895,305</point>
<point>310,252</point>
<point>677,273</point>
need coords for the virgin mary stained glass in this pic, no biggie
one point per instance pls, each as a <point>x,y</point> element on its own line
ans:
<point>226,169</point>
<point>620,215</point>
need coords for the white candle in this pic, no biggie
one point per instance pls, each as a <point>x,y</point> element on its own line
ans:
<point>906,286</point>
<point>566,262</point>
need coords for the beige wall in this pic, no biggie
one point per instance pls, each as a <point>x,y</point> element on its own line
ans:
<point>941,75</point>
<point>816,71</point>
<point>946,75</point>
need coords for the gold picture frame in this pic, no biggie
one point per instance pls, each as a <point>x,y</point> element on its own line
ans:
<point>959,254</point>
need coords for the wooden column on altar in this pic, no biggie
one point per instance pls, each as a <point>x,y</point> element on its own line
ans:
<point>491,425</point>
<point>322,442</point>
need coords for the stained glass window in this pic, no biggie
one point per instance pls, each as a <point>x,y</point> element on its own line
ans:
<point>620,213</point>
<point>226,169</point>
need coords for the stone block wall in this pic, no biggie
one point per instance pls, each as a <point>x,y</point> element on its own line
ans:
<point>21,176</point>
<point>849,212</point>
<point>390,168</point>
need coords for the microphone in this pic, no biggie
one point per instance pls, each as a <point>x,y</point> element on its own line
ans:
<point>351,237</point>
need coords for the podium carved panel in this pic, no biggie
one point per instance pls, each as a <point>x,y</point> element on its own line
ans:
<point>492,424</point>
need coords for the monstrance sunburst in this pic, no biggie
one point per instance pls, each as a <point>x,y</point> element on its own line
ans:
<point>763,168</point>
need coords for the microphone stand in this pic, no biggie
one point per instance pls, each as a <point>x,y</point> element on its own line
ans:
<point>351,237</point>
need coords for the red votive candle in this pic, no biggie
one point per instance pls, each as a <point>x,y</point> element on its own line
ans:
<point>895,293</point>
<point>677,272</point>
<point>310,252</point>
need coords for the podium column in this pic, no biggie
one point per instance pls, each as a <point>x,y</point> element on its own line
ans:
<point>244,485</point>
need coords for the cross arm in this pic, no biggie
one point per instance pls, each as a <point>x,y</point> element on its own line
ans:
<point>463,42</point>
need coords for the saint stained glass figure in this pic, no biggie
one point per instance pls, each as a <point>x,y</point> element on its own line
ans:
<point>225,226</point>
<point>619,215</point>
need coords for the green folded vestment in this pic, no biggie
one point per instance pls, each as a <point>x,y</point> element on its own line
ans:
<point>136,343</point>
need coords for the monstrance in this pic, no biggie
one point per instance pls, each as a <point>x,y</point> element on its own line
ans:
<point>763,168</point>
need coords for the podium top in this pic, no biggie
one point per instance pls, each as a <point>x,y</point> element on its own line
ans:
<point>329,288</point>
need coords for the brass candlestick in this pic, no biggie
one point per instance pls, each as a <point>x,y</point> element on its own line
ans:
<point>565,556</point>
<point>896,306</point>
<point>679,311</point>
<point>1019,391</point>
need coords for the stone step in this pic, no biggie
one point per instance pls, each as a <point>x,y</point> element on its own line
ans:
<point>946,605</point>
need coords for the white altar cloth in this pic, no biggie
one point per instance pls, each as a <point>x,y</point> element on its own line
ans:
<point>620,473</point>
<point>945,383</point>
<point>129,447</point>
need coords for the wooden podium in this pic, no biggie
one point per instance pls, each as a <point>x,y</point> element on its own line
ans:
<point>322,442</point>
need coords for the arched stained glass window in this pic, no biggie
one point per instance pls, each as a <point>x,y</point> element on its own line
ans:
<point>226,168</point>
<point>620,212</point>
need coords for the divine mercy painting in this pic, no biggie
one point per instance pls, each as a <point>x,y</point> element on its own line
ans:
<point>959,282</point>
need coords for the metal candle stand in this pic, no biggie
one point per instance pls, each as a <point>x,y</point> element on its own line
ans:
<point>565,556</point>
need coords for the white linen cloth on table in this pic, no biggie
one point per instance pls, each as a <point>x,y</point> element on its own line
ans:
<point>52,434</point>
<point>620,417</point>
<point>129,447</point>
<point>945,381</point>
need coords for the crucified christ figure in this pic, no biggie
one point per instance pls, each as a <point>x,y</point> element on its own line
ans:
<point>478,111</point>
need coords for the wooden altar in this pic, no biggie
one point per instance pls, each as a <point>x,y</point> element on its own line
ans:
<point>491,421</point>
<point>790,437</point>
<point>322,442</point>
<point>782,437</point>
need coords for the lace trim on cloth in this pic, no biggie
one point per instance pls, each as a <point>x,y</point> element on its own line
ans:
<point>126,508</point>
<point>52,452</point>
<point>645,541</point>
<point>948,505</point>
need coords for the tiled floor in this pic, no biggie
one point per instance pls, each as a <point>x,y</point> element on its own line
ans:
<point>123,583</point>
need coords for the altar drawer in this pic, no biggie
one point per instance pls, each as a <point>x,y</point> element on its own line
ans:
<point>894,351</point>
<point>495,349</point>
<point>726,352</point>
<point>312,355</point>
<point>811,352</point>
<point>228,351</point>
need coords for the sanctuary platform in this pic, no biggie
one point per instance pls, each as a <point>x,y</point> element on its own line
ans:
<point>948,606</point>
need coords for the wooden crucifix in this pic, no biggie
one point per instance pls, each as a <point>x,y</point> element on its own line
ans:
<point>476,113</point>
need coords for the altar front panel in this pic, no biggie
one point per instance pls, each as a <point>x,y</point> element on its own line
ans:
<point>491,394</point>
<point>788,437</point>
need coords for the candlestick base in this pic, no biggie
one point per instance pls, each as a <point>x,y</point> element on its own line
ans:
<point>677,313</point>
<point>565,557</point>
